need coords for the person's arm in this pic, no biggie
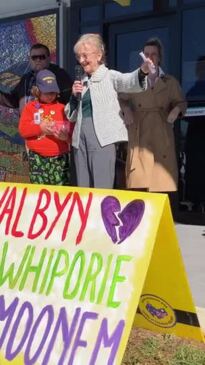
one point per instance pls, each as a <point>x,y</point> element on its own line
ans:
<point>71,109</point>
<point>126,108</point>
<point>142,75</point>
<point>64,133</point>
<point>73,103</point>
<point>129,82</point>
<point>9,100</point>
<point>178,103</point>
<point>27,128</point>
<point>12,99</point>
<point>135,81</point>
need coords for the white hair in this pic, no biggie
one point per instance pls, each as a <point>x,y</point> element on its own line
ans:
<point>95,40</point>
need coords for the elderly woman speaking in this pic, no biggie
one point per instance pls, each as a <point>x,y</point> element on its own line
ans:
<point>98,118</point>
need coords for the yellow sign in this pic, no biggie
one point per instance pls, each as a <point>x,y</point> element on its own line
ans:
<point>75,264</point>
<point>123,2</point>
<point>166,303</point>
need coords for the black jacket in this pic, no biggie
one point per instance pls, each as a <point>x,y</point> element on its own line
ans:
<point>23,88</point>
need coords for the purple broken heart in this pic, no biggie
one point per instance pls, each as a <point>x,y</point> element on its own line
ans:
<point>122,221</point>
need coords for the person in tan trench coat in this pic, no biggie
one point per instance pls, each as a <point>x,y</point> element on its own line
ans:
<point>151,163</point>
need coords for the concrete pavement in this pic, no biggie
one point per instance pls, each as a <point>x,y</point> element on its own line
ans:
<point>192,244</point>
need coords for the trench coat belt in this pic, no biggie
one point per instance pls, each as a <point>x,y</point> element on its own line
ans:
<point>162,118</point>
<point>150,110</point>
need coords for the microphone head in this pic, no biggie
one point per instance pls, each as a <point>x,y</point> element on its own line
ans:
<point>78,72</point>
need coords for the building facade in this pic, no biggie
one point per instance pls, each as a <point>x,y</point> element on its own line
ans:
<point>180,25</point>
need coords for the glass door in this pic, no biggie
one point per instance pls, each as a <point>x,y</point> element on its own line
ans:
<point>126,40</point>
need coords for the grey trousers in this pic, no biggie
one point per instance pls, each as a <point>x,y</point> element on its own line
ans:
<point>95,165</point>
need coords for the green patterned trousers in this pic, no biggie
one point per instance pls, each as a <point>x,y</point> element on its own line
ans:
<point>53,170</point>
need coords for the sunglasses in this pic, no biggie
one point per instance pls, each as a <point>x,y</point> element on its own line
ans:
<point>38,57</point>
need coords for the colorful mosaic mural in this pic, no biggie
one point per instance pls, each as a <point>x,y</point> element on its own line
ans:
<point>17,36</point>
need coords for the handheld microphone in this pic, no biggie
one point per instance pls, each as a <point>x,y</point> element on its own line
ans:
<point>78,77</point>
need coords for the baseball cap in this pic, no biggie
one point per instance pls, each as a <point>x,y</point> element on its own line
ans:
<point>46,82</point>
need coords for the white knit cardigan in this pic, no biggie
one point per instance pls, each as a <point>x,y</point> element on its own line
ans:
<point>108,120</point>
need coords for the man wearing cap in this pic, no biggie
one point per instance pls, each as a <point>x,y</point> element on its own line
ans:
<point>39,60</point>
<point>47,133</point>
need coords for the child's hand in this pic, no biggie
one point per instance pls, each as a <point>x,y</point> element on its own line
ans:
<point>47,127</point>
<point>61,132</point>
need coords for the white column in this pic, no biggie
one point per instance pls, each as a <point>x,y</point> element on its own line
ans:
<point>61,29</point>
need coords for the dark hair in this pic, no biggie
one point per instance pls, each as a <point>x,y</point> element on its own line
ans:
<point>156,43</point>
<point>40,45</point>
